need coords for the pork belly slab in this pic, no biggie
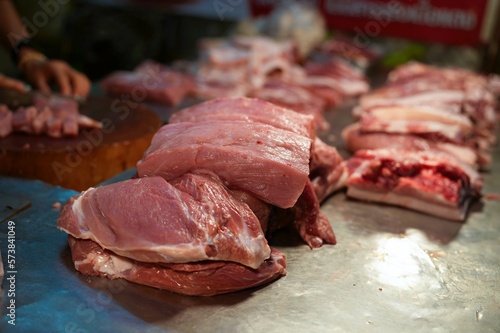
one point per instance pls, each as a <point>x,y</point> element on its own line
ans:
<point>197,279</point>
<point>192,219</point>
<point>433,183</point>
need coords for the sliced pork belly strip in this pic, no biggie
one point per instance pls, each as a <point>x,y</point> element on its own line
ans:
<point>434,183</point>
<point>200,279</point>
<point>355,139</point>
<point>194,219</point>
<point>270,163</point>
<point>436,96</point>
<point>428,129</point>
<point>336,74</point>
<point>250,109</point>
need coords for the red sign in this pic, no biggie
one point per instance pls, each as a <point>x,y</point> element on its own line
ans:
<point>446,21</point>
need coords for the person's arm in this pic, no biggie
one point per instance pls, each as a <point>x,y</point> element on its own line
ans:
<point>39,70</point>
<point>11,27</point>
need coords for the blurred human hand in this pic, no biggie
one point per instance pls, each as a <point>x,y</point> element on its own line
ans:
<point>13,84</point>
<point>41,73</point>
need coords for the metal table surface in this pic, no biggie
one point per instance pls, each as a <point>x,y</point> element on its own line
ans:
<point>393,270</point>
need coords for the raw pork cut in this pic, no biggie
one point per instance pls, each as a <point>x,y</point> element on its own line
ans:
<point>247,109</point>
<point>448,108</point>
<point>338,75</point>
<point>294,97</point>
<point>327,172</point>
<point>231,68</point>
<point>150,81</point>
<point>192,219</point>
<point>356,139</point>
<point>206,192</point>
<point>54,116</point>
<point>312,225</point>
<point>237,152</point>
<point>433,183</point>
<point>199,279</point>
<point>346,48</point>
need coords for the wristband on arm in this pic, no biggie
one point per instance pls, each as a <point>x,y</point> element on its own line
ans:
<point>21,58</point>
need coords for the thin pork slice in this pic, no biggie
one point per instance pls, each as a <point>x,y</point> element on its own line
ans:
<point>429,182</point>
<point>270,163</point>
<point>195,219</point>
<point>250,109</point>
<point>197,279</point>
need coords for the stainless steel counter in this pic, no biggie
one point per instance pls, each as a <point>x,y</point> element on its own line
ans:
<point>393,270</point>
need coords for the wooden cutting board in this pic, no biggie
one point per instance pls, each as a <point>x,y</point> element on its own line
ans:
<point>88,159</point>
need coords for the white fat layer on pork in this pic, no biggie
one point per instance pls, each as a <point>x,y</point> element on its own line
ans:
<point>441,96</point>
<point>452,132</point>
<point>348,87</point>
<point>76,207</point>
<point>422,113</point>
<point>410,202</point>
<point>463,154</point>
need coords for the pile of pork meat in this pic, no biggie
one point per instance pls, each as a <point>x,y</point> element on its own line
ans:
<point>53,116</point>
<point>421,138</point>
<point>248,66</point>
<point>214,185</point>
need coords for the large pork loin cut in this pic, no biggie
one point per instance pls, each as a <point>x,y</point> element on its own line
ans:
<point>270,163</point>
<point>150,220</point>
<point>433,183</point>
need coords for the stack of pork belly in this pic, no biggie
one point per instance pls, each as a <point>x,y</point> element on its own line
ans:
<point>266,69</point>
<point>239,66</point>
<point>429,129</point>
<point>218,179</point>
<point>53,116</point>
